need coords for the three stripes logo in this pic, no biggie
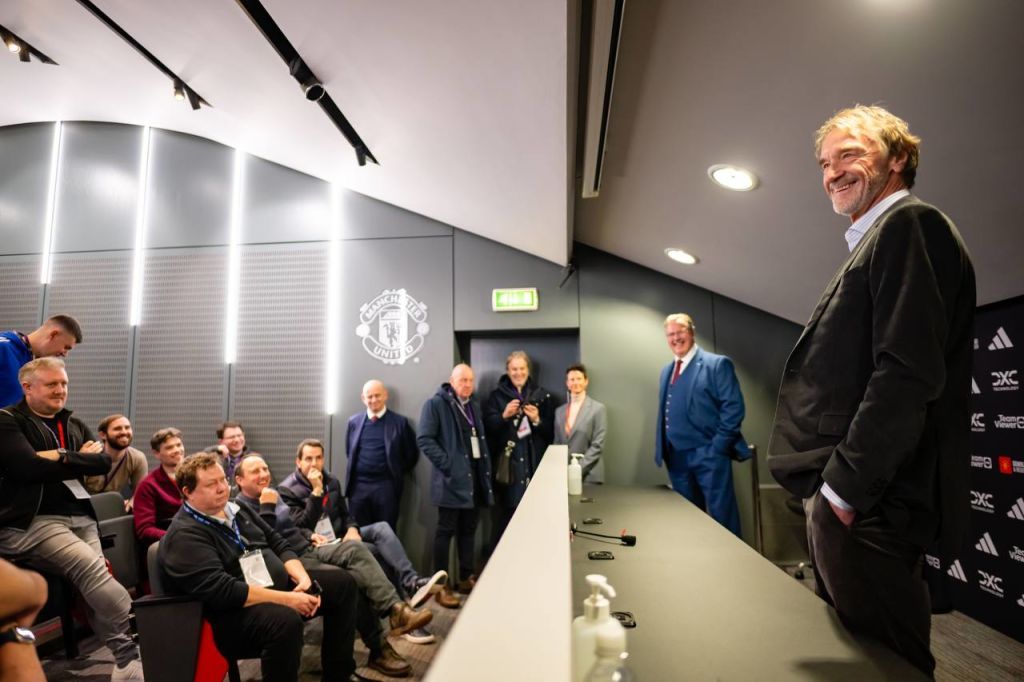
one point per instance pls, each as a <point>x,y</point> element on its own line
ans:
<point>1017,510</point>
<point>957,571</point>
<point>974,387</point>
<point>986,545</point>
<point>1020,602</point>
<point>1000,341</point>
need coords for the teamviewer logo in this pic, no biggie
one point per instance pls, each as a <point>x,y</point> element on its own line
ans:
<point>1000,341</point>
<point>986,545</point>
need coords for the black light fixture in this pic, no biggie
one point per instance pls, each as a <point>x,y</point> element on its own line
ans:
<point>181,89</point>
<point>17,45</point>
<point>312,87</point>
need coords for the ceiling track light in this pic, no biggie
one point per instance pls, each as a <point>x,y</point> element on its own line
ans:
<point>312,87</point>
<point>181,89</point>
<point>17,45</point>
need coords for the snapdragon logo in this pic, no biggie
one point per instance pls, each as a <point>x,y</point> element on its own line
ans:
<point>1017,510</point>
<point>957,571</point>
<point>1001,340</point>
<point>986,545</point>
<point>978,422</point>
<point>981,462</point>
<point>991,583</point>
<point>1005,381</point>
<point>982,502</point>
<point>1017,554</point>
<point>1009,421</point>
<point>933,561</point>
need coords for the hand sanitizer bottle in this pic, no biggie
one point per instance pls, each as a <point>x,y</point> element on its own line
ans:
<point>611,659</point>
<point>575,475</point>
<point>596,618</point>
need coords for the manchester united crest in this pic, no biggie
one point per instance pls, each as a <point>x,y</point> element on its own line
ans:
<point>392,326</point>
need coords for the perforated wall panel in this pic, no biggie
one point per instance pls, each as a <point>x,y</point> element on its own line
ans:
<point>95,288</point>
<point>278,391</point>
<point>180,373</point>
<point>19,302</point>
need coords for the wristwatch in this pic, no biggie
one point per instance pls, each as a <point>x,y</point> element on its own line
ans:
<point>62,455</point>
<point>16,635</point>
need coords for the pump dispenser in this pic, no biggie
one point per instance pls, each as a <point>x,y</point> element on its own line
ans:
<point>575,475</point>
<point>596,618</point>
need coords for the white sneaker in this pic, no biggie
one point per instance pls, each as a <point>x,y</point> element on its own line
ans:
<point>419,636</point>
<point>427,587</point>
<point>130,672</point>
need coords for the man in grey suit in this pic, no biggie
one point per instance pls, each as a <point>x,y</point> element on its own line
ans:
<point>581,424</point>
<point>872,421</point>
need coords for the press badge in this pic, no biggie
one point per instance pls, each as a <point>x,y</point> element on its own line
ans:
<point>254,568</point>
<point>77,489</point>
<point>474,443</point>
<point>324,528</point>
<point>524,429</point>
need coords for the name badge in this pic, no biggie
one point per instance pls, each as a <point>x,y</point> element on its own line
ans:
<point>324,528</point>
<point>524,428</point>
<point>474,443</point>
<point>77,489</point>
<point>254,568</point>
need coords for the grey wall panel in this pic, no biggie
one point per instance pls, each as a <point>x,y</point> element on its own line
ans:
<point>22,293</point>
<point>423,267</point>
<point>180,375</point>
<point>549,355</point>
<point>484,265</point>
<point>278,379</point>
<point>99,187</point>
<point>284,205</point>
<point>24,185</point>
<point>190,191</point>
<point>622,342</point>
<point>95,288</point>
<point>366,218</point>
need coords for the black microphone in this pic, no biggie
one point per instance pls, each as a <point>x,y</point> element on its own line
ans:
<point>627,540</point>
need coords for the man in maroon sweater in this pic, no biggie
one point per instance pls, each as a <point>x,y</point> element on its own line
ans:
<point>157,498</point>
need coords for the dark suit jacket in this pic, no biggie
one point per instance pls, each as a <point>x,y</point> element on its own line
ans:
<point>874,397</point>
<point>715,406</point>
<point>399,446</point>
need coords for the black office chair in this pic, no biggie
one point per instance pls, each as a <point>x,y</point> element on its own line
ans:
<point>117,537</point>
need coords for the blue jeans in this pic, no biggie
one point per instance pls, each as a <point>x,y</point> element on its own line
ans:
<point>388,548</point>
<point>70,546</point>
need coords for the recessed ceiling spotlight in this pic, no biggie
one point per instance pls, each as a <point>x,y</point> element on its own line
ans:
<point>13,45</point>
<point>681,256</point>
<point>732,177</point>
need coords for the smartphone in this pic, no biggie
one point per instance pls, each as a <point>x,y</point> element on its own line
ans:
<point>600,555</point>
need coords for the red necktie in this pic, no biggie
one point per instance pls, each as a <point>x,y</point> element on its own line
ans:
<point>373,419</point>
<point>675,372</point>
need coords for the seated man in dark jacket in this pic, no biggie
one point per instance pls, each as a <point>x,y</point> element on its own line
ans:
<point>255,592</point>
<point>252,477</point>
<point>46,518</point>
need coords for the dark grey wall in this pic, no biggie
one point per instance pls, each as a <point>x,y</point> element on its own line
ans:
<point>171,370</point>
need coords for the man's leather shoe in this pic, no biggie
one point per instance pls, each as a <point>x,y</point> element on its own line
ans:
<point>388,662</point>
<point>466,586</point>
<point>403,618</point>
<point>447,598</point>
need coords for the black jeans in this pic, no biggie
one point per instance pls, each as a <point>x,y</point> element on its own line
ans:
<point>274,632</point>
<point>460,524</point>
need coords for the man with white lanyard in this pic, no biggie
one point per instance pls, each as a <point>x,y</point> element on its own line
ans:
<point>46,518</point>
<point>255,591</point>
<point>451,436</point>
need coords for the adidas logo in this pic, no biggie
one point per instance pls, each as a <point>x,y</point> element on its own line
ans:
<point>957,571</point>
<point>1017,510</point>
<point>986,545</point>
<point>974,387</point>
<point>1000,341</point>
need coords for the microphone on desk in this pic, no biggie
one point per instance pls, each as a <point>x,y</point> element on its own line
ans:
<point>627,540</point>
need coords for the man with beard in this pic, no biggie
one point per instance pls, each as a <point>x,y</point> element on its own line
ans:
<point>128,466</point>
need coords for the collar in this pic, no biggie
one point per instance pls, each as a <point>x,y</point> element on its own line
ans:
<point>378,415</point>
<point>573,399</point>
<point>689,355</point>
<point>860,227</point>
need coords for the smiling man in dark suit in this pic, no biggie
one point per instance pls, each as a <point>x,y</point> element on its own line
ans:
<point>872,421</point>
<point>700,409</point>
<point>381,447</point>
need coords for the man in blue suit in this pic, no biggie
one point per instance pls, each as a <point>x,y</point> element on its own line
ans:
<point>700,409</point>
<point>381,448</point>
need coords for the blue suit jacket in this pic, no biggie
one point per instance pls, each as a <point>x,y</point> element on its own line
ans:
<point>399,447</point>
<point>714,405</point>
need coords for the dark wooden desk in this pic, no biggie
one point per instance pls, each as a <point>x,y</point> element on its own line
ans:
<point>707,606</point>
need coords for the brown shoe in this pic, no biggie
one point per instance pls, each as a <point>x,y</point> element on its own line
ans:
<point>447,598</point>
<point>388,662</point>
<point>466,586</point>
<point>403,618</point>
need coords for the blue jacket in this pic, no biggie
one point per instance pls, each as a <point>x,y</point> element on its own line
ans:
<point>305,508</point>
<point>714,407</point>
<point>399,446</point>
<point>13,354</point>
<point>441,441</point>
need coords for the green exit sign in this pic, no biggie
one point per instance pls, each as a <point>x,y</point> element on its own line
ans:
<point>512,300</point>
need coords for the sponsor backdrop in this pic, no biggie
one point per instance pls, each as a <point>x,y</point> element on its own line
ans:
<point>988,576</point>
